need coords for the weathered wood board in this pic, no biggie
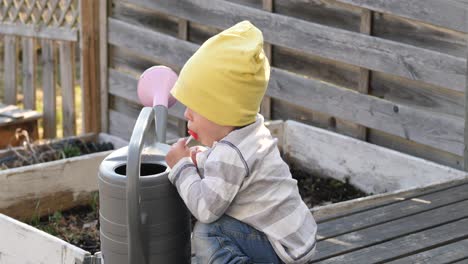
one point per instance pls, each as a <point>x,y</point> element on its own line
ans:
<point>44,188</point>
<point>22,243</point>
<point>371,168</point>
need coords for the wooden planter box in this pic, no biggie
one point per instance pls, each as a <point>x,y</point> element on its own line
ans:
<point>41,189</point>
<point>383,173</point>
<point>373,169</point>
<point>22,243</point>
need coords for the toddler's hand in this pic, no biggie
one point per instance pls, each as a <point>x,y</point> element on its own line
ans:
<point>194,151</point>
<point>178,151</point>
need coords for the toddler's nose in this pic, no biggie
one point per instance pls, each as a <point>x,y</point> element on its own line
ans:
<point>188,114</point>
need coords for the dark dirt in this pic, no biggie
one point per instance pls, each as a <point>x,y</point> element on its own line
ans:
<point>317,191</point>
<point>80,226</point>
<point>32,153</point>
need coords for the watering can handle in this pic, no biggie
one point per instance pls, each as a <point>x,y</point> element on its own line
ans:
<point>136,253</point>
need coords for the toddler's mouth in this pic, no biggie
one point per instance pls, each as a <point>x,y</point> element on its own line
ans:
<point>193,135</point>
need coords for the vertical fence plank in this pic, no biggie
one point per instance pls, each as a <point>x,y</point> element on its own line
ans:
<point>10,70</point>
<point>265,108</point>
<point>48,88</point>
<point>465,138</point>
<point>67,82</point>
<point>182,34</point>
<point>103,5</point>
<point>183,29</point>
<point>28,67</point>
<point>89,46</point>
<point>363,86</point>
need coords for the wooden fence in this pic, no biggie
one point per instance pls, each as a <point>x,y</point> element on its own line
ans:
<point>42,40</point>
<point>388,72</point>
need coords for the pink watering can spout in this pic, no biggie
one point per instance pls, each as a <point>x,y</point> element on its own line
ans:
<point>155,85</point>
<point>153,90</point>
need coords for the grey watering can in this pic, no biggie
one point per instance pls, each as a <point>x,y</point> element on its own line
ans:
<point>142,217</point>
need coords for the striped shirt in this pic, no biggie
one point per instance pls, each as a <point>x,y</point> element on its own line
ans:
<point>244,177</point>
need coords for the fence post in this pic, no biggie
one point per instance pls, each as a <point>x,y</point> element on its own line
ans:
<point>11,62</point>
<point>49,88</point>
<point>183,33</point>
<point>265,107</point>
<point>465,138</point>
<point>89,46</point>
<point>103,64</point>
<point>28,72</point>
<point>364,77</point>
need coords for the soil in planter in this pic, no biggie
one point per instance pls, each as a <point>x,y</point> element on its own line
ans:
<point>318,191</point>
<point>80,226</point>
<point>34,154</point>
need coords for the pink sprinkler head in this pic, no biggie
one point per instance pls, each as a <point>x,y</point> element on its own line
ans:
<point>154,86</point>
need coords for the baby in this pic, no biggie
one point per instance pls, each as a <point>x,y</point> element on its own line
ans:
<point>240,190</point>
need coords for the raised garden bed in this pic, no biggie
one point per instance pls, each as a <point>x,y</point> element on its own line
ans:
<point>80,225</point>
<point>41,189</point>
<point>40,152</point>
<point>374,170</point>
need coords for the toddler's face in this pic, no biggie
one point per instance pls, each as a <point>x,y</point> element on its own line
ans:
<point>207,131</point>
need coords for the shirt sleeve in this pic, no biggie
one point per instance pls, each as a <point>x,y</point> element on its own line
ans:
<point>209,196</point>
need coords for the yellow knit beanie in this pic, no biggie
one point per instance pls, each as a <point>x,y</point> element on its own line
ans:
<point>226,79</point>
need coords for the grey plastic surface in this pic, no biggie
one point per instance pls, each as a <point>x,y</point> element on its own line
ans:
<point>156,228</point>
<point>161,123</point>
<point>136,252</point>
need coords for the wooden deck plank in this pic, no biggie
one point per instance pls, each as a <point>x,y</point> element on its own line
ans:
<point>463,261</point>
<point>445,254</point>
<point>406,245</point>
<point>334,211</point>
<point>392,212</point>
<point>391,230</point>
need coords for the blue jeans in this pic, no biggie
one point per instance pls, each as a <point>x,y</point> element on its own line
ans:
<point>228,240</point>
